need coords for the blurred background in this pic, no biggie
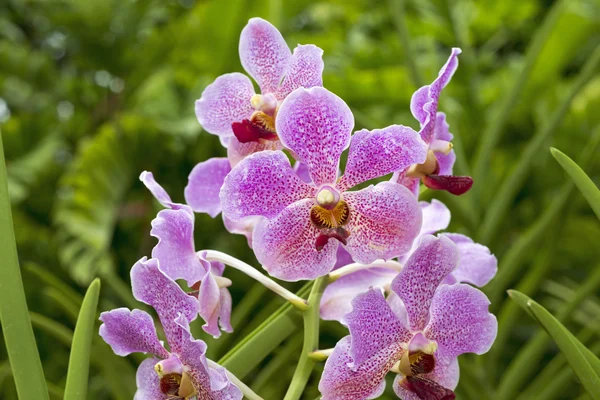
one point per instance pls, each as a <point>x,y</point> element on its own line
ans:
<point>93,92</point>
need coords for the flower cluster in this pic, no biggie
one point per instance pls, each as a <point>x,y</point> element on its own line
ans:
<point>405,295</point>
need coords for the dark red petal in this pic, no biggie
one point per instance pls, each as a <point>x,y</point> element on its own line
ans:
<point>454,184</point>
<point>247,131</point>
<point>426,389</point>
<point>421,363</point>
<point>169,384</point>
<point>340,234</point>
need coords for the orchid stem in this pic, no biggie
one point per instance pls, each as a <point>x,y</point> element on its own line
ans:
<point>320,355</point>
<point>311,340</point>
<point>213,255</point>
<point>246,391</point>
<point>351,268</point>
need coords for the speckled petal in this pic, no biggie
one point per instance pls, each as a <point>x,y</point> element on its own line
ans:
<point>223,102</point>
<point>174,230</point>
<point>337,298</point>
<point>380,152</point>
<point>376,331</point>
<point>304,70</point>
<point>442,132</point>
<point>237,151</point>
<point>157,190</point>
<point>476,265</point>
<point>460,321</point>
<point>130,332</point>
<point>285,245</point>
<point>264,54</point>
<point>424,102</point>
<point>214,302</point>
<point>340,382</point>
<point>384,220</point>
<point>316,125</point>
<point>151,286</point>
<point>412,184</point>
<point>225,389</point>
<point>262,184</point>
<point>148,383</point>
<point>342,258</point>
<point>204,185</point>
<point>245,227</point>
<point>426,268</point>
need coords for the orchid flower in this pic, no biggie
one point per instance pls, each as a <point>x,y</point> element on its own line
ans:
<point>293,240</point>
<point>436,171</point>
<point>476,265</point>
<point>174,229</point>
<point>182,372</point>
<point>419,335</point>
<point>244,120</point>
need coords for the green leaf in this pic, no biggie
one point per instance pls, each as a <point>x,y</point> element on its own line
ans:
<point>583,182</point>
<point>14,315</point>
<point>567,343</point>
<point>79,361</point>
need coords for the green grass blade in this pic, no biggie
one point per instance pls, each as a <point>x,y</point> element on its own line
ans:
<point>79,361</point>
<point>583,182</point>
<point>493,131</point>
<point>567,343</point>
<point>511,185</point>
<point>14,315</point>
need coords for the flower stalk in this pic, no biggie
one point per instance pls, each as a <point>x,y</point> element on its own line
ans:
<point>320,355</point>
<point>311,341</point>
<point>213,255</point>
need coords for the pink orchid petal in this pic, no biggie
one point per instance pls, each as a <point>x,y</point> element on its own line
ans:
<point>477,265</point>
<point>460,321</point>
<point>223,102</point>
<point>380,152</point>
<point>264,54</point>
<point>175,251</point>
<point>204,185</point>
<point>315,124</point>
<point>424,271</point>
<point>237,151</point>
<point>285,245</point>
<point>384,220</point>
<point>376,331</point>
<point>340,382</point>
<point>336,301</point>
<point>151,286</point>
<point>424,102</point>
<point>304,70</point>
<point>130,332</point>
<point>148,382</point>
<point>262,184</point>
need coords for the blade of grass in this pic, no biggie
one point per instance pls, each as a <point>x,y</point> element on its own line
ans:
<point>583,182</point>
<point>504,196</point>
<point>493,131</point>
<point>79,361</point>
<point>14,315</point>
<point>568,344</point>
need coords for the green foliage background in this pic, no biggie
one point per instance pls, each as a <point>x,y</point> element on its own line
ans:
<point>93,92</point>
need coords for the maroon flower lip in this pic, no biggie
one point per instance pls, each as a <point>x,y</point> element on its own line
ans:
<point>252,131</point>
<point>456,185</point>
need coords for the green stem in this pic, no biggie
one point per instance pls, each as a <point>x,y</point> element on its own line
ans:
<point>311,340</point>
<point>14,315</point>
<point>397,8</point>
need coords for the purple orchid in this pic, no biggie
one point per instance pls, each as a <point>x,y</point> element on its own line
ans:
<point>419,335</point>
<point>180,372</point>
<point>174,229</point>
<point>244,120</point>
<point>436,171</point>
<point>292,241</point>
<point>476,266</point>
